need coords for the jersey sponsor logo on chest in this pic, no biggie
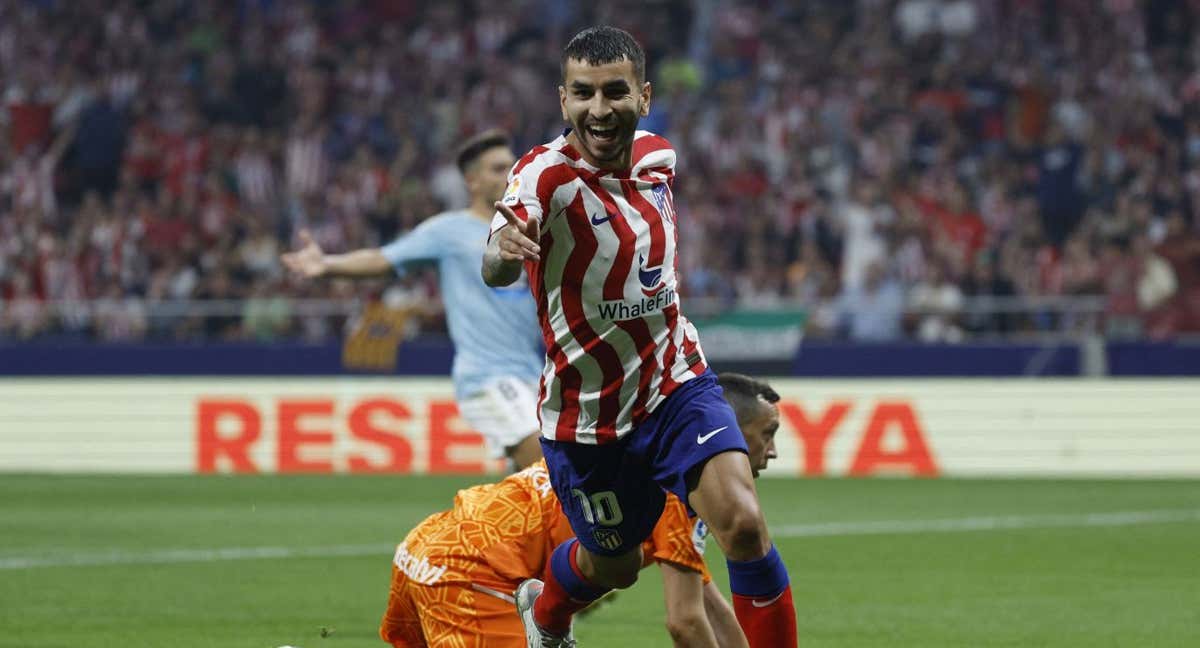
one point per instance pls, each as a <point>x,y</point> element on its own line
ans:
<point>623,309</point>
<point>658,296</point>
<point>651,278</point>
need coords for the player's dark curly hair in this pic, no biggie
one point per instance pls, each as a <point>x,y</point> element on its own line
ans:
<point>744,393</point>
<point>477,145</point>
<point>604,44</point>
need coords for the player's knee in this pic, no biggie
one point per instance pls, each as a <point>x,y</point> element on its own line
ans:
<point>616,572</point>
<point>748,535</point>
<point>684,627</point>
<point>615,577</point>
<point>625,570</point>
<point>744,532</point>
<point>624,579</point>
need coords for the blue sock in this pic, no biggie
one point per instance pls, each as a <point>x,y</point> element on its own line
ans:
<point>763,577</point>
<point>566,571</point>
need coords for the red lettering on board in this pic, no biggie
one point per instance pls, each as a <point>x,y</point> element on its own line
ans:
<point>443,439</point>
<point>814,436</point>
<point>292,437</point>
<point>913,456</point>
<point>212,445</point>
<point>363,426</point>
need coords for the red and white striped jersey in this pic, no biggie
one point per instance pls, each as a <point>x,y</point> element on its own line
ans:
<point>605,284</point>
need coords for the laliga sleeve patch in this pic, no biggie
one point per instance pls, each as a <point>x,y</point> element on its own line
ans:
<point>700,536</point>
<point>512,195</point>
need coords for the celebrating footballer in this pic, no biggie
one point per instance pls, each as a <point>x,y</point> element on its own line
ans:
<point>629,408</point>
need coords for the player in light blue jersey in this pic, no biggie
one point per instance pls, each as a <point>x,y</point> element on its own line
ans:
<point>495,384</point>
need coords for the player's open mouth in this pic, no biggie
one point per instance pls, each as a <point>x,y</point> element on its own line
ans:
<point>604,134</point>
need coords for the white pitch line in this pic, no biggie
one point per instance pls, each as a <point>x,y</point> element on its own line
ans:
<point>993,523</point>
<point>826,529</point>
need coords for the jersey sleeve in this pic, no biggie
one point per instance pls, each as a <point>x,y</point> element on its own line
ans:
<point>521,195</point>
<point>678,539</point>
<point>425,242</point>
<point>654,157</point>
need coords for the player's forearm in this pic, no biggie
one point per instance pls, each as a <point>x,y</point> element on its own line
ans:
<point>692,633</point>
<point>722,619</point>
<point>687,620</point>
<point>367,262</point>
<point>496,271</point>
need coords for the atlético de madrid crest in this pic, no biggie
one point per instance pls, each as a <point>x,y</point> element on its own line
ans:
<point>607,538</point>
<point>662,200</point>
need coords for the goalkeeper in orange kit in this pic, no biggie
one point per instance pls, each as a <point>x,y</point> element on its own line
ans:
<point>454,574</point>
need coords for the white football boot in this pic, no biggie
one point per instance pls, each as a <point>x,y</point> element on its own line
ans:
<point>535,637</point>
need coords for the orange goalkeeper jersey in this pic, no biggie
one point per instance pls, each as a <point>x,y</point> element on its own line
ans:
<point>500,534</point>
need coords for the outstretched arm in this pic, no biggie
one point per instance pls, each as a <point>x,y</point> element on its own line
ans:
<point>311,261</point>
<point>509,247</point>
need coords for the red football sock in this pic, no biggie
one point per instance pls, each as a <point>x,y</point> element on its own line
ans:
<point>768,623</point>
<point>555,606</point>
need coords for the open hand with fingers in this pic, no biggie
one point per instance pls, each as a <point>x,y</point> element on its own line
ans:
<point>518,241</point>
<point>309,260</point>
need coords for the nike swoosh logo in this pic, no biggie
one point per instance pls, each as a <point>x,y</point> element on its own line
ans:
<point>761,604</point>
<point>601,221</point>
<point>705,437</point>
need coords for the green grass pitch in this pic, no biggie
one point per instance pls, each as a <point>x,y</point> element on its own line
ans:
<point>90,561</point>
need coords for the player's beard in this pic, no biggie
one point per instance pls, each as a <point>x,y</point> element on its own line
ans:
<point>608,150</point>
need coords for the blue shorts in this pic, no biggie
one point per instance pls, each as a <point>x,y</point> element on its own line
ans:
<point>613,494</point>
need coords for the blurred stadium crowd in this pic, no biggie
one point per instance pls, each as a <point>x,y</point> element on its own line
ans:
<point>889,167</point>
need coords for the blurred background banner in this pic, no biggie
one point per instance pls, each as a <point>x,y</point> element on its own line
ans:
<point>751,334</point>
<point>928,428</point>
<point>907,170</point>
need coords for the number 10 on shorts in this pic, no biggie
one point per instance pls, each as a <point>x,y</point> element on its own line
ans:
<point>601,508</point>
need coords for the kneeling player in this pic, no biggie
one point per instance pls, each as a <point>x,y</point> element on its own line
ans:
<point>453,575</point>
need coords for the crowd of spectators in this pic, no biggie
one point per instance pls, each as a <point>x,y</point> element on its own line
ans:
<point>890,167</point>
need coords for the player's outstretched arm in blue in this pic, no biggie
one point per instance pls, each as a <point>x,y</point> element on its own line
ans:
<point>311,261</point>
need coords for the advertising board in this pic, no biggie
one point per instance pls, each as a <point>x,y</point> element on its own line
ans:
<point>920,428</point>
